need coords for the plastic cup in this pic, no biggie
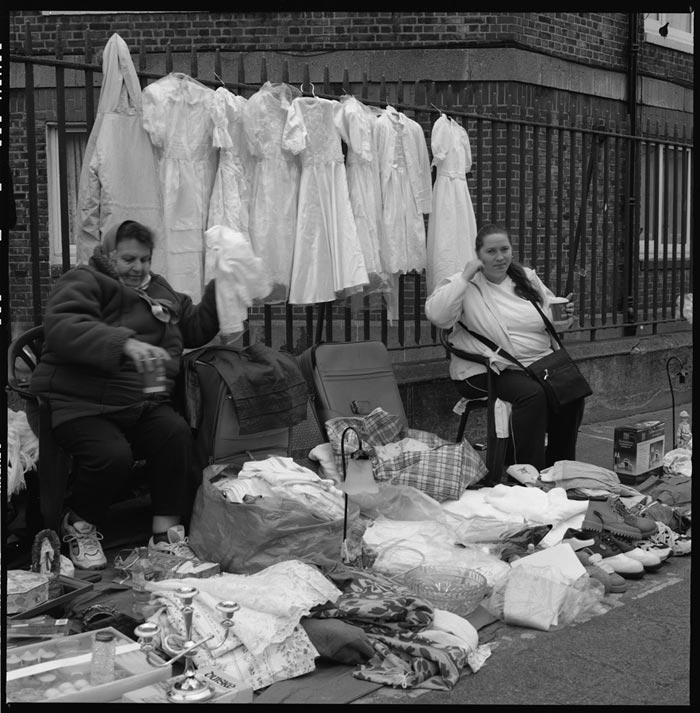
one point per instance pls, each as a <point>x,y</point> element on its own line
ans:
<point>154,379</point>
<point>558,306</point>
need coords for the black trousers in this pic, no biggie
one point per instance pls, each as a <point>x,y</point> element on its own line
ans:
<point>531,419</point>
<point>104,449</point>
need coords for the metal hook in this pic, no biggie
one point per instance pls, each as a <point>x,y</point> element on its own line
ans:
<point>220,79</point>
<point>434,107</point>
<point>301,88</point>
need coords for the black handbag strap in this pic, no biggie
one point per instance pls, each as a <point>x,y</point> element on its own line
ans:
<point>500,350</point>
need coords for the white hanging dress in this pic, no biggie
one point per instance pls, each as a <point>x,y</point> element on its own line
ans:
<point>177,115</point>
<point>356,124</point>
<point>452,223</point>
<point>228,204</point>
<point>404,170</point>
<point>328,261</point>
<point>274,185</point>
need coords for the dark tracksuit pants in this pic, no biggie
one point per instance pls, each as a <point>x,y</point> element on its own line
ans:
<point>531,419</point>
<point>105,447</point>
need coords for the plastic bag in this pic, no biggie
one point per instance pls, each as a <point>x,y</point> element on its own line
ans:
<point>540,598</point>
<point>247,537</point>
<point>398,502</point>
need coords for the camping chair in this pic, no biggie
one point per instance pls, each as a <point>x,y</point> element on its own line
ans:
<point>495,447</point>
<point>54,463</point>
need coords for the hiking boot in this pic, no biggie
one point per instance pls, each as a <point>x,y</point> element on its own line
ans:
<point>649,560</point>
<point>613,556</point>
<point>84,548</point>
<point>645,524</point>
<point>177,544</point>
<point>603,515</point>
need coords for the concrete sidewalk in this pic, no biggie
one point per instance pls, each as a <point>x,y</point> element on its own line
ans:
<point>595,441</point>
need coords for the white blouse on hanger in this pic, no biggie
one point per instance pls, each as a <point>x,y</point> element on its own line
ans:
<point>452,223</point>
<point>328,260</point>
<point>356,123</point>
<point>404,170</point>
<point>228,204</point>
<point>272,209</point>
<point>177,115</point>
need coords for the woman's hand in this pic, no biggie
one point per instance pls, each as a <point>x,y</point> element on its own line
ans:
<point>141,353</point>
<point>471,268</point>
<point>569,306</point>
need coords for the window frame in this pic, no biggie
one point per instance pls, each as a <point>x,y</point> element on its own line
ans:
<point>53,192</point>
<point>676,39</point>
<point>665,247</point>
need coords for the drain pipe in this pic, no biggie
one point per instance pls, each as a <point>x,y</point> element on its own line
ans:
<point>631,199</point>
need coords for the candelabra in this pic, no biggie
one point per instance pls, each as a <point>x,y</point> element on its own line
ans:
<point>188,687</point>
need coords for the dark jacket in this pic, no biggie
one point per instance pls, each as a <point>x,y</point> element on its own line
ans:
<point>90,314</point>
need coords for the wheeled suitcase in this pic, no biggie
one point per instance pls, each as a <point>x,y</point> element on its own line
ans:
<point>350,378</point>
<point>217,418</point>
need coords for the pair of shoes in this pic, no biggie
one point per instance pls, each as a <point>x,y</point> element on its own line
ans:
<point>650,561</point>
<point>181,560</point>
<point>611,515</point>
<point>661,551</point>
<point>595,567</point>
<point>679,544</point>
<point>577,539</point>
<point>84,548</point>
<point>611,554</point>
<point>177,544</point>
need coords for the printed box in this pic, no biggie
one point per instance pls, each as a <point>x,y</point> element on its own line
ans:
<point>638,450</point>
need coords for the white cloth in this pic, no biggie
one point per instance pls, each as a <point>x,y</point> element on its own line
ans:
<point>356,123</point>
<point>287,477</point>
<point>22,450</point>
<point>266,643</point>
<point>328,262</point>
<point>452,223</point>
<point>501,412</point>
<point>406,185</point>
<point>240,276</point>
<point>469,301</point>
<point>118,177</point>
<point>228,204</point>
<point>177,114</point>
<point>274,189</point>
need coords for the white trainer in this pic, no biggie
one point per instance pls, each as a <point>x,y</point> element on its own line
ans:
<point>84,548</point>
<point>177,544</point>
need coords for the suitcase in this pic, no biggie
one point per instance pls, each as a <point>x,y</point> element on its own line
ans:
<point>218,437</point>
<point>350,378</point>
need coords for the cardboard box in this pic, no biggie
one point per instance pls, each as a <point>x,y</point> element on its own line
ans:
<point>638,451</point>
<point>58,670</point>
<point>228,690</point>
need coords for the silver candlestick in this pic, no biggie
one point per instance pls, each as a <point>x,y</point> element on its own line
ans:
<point>188,687</point>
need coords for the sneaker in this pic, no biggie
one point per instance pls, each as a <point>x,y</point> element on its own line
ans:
<point>577,539</point>
<point>679,544</point>
<point>603,515</point>
<point>645,524</point>
<point>661,551</point>
<point>605,574</point>
<point>608,549</point>
<point>650,561</point>
<point>84,548</point>
<point>177,544</point>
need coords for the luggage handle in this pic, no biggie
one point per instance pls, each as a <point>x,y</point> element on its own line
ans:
<point>360,408</point>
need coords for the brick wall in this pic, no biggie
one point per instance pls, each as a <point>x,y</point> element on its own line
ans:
<point>597,39</point>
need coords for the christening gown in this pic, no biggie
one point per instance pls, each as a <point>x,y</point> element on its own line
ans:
<point>328,262</point>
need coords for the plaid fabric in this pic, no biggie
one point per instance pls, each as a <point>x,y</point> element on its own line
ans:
<point>443,472</point>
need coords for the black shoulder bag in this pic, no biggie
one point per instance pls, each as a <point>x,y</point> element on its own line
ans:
<point>557,373</point>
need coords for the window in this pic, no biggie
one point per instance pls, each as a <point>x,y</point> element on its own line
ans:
<point>679,27</point>
<point>668,171</point>
<point>76,140</point>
